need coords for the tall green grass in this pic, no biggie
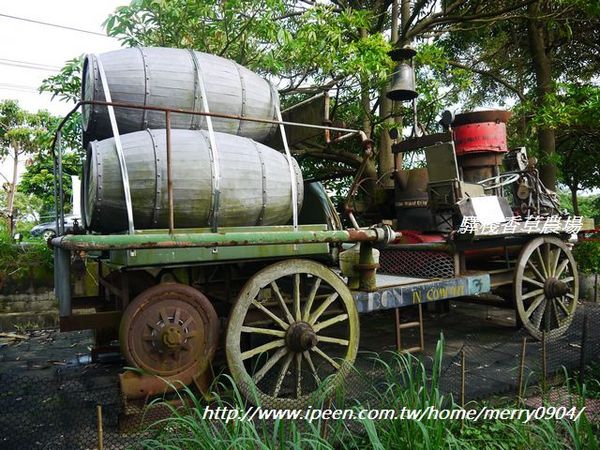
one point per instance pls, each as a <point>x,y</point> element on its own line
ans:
<point>406,382</point>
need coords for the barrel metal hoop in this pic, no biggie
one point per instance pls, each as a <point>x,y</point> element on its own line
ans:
<point>157,179</point>
<point>195,119</point>
<point>213,218</point>
<point>244,97</point>
<point>211,210</point>
<point>261,215</point>
<point>96,88</point>
<point>99,182</point>
<point>146,89</point>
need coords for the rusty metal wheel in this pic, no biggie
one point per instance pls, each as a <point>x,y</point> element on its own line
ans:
<point>546,286</point>
<point>169,328</point>
<point>292,332</point>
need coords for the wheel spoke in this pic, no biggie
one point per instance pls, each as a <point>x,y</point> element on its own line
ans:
<point>263,348</point>
<point>280,322</point>
<point>532,281</point>
<point>322,307</point>
<point>177,316</point>
<point>536,302</point>
<point>284,368</point>
<point>538,320</point>
<point>555,314</point>
<point>164,316</point>
<point>311,365</point>
<point>281,301</point>
<point>567,280</point>
<point>326,357</point>
<point>554,264</point>
<point>542,263</point>
<point>561,268</point>
<point>155,327</point>
<point>278,333</point>
<point>298,375</point>
<point>532,294</point>
<point>322,325</point>
<point>535,270</point>
<point>562,306</point>
<point>332,340</point>
<point>311,298</point>
<point>297,297</point>
<point>269,364</point>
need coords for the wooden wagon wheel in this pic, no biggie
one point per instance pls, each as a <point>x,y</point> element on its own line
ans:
<point>292,332</point>
<point>546,286</point>
<point>169,328</point>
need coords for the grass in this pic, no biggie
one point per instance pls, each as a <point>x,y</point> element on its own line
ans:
<point>407,383</point>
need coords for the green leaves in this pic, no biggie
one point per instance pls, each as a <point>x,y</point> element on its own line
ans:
<point>66,85</point>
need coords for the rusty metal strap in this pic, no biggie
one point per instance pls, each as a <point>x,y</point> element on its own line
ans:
<point>118,145</point>
<point>214,153</point>
<point>293,177</point>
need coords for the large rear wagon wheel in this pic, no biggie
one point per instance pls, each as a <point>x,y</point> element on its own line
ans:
<point>169,329</point>
<point>293,332</point>
<point>546,287</point>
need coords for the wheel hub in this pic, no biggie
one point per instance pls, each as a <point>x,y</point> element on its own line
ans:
<point>300,337</point>
<point>172,337</point>
<point>554,288</point>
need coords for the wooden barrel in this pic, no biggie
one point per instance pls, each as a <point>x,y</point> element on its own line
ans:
<point>255,184</point>
<point>169,77</point>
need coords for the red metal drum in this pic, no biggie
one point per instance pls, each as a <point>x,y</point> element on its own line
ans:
<point>480,131</point>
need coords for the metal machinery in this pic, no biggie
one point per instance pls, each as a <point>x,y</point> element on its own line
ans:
<point>265,297</point>
<point>476,219</point>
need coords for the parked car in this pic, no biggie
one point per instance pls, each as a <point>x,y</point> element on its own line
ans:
<point>48,230</point>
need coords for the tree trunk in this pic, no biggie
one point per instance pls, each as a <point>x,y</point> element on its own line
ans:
<point>542,65</point>
<point>386,158</point>
<point>11,193</point>
<point>574,200</point>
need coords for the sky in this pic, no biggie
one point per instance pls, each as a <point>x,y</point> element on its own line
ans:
<point>30,52</point>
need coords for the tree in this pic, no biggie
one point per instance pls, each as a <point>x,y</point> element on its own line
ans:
<point>340,46</point>
<point>21,134</point>
<point>38,179</point>
<point>520,60</point>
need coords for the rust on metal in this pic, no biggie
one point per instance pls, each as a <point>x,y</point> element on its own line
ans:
<point>169,329</point>
<point>383,234</point>
<point>482,116</point>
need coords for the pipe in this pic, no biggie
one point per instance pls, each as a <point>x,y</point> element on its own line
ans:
<point>62,281</point>
<point>382,234</point>
<point>219,115</point>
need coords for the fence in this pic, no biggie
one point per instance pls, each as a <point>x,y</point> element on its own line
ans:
<point>60,410</point>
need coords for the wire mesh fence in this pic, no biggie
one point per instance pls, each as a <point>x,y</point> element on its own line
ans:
<point>60,410</point>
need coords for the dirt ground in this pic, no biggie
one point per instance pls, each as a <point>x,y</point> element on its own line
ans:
<point>50,388</point>
<point>40,352</point>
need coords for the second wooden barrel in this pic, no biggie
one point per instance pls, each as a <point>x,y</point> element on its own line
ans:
<point>255,182</point>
